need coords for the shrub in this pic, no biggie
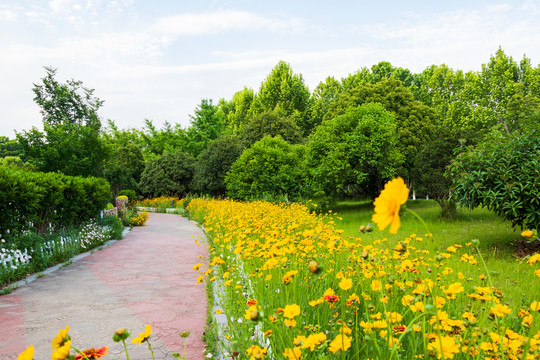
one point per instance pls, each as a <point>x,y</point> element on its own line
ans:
<point>114,226</point>
<point>271,168</point>
<point>502,174</point>
<point>132,196</point>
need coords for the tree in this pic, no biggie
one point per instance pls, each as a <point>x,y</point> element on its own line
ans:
<point>432,160</point>
<point>415,121</point>
<point>167,175</point>
<point>502,173</point>
<point>158,141</point>
<point>354,153</point>
<point>237,111</point>
<point>123,170</point>
<point>206,125</point>
<point>322,97</point>
<point>214,163</point>
<point>270,124</point>
<point>10,147</point>
<point>71,141</point>
<point>271,170</point>
<point>285,93</point>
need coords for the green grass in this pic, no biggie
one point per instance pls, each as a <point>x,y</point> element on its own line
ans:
<point>499,242</point>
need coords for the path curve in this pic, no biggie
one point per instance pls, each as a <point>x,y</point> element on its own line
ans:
<point>146,278</point>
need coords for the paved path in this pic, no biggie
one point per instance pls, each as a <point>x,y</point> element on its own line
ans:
<point>146,278</point>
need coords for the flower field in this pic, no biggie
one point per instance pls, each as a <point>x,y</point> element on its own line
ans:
<point>291,286</point>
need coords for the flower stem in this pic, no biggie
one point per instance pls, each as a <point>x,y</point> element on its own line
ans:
<point>152,351</point>
<point>125,349</point>
<point>421,220</point>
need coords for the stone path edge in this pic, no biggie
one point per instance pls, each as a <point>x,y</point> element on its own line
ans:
<point>29,279</point>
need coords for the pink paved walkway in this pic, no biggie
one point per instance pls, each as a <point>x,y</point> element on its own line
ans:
<point>146,278</point>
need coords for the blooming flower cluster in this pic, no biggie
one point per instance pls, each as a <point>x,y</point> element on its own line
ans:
<point>290,285</point>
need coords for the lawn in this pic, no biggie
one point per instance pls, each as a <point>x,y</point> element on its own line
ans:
<point>499,242</point>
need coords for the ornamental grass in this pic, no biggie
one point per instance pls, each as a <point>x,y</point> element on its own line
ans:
<point>292,287</point>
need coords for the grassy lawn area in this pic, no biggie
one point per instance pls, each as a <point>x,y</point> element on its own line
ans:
<point>499,242</point>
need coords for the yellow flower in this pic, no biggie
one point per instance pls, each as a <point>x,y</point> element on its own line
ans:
<point>291,311</point>
<point>62,352</point>
<point>527,234</point>
<point>500,310</point>
<point>376,285</point>
<point>345,284</point>
<point>27,354</point>
<point>341,342</point>
<point>445,346</point>
<point>60,338</point>
<point>143,336</point>
<point>535,306</point>
<point>290,323</point>
<point>387,205</point>
<point>219,312</point>
<point>196,266</point>
<point>292,354</point>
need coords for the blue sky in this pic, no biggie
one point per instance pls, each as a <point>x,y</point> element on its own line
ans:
<point>157,59</point>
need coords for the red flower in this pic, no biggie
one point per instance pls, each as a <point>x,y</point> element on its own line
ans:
<point>92,353</point>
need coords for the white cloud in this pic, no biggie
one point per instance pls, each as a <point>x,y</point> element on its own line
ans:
<point>214,22</point>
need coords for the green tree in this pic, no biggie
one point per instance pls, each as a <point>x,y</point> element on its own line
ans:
<point>432,161</point>
<point>214,163</point>
<point>271,170</point>
<point>71,141</point>
<point>501,173</point>
<point>11,147</point>
<point>285,93</point>
<point>124,168</point>
<point>158,141</point>
<point>236,112</point>
<point>415,121</point>
<point>167,175</point>
<point>354,153</point>
<point>206,125</point>
<point>322,97</point>
<point>270,124</point>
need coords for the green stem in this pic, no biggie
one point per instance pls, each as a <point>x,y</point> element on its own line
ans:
<point>125,349</point>
<point>80,352</point>
<point>152,351</point>
<point>185,341</point>
<point>421,220</point>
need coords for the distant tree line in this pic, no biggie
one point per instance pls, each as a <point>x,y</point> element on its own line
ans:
<point>438,129</point>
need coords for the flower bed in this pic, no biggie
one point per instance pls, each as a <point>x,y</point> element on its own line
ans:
<point>294,288</point>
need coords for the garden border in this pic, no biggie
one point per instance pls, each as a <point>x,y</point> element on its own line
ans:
<point>29,279</point>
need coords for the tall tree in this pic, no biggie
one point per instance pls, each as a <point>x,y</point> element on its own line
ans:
<point>71,139</point>
<point>206,125</point>
<point>287,94</point>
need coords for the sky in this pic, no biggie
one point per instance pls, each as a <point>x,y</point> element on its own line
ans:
<point>157,60</point>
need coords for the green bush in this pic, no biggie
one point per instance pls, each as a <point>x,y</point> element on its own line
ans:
<point>114,225</point>
<point>272,169</point>
<point>37,201</point>
<point>131,194</point>
<point>502,173</point>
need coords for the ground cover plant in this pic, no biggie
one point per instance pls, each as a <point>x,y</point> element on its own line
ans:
<point>296,286</point>
<point>31,252</point>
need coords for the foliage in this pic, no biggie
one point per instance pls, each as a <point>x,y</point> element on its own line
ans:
<point>161,202</point>
<point>124,167</point>
<point>133,217</point>
<point>430,169</point>
<point>10,147</point>
<point>167,175</point>
<point>285,93</point>
<point>291,284</point>
<point>415,121</point>
<point>236,111</point>
<point>131,195</point>
<point>214,163</point>
<point>502,173</point>
<point>155,142</point>
<point>354,153</point>
<point>270,124</point>
<point>271,168</point>
<point>71,141</point>
<point>113,225</point>
<point>206,125</point>
<point>31,252</point>
<point>35,200</point>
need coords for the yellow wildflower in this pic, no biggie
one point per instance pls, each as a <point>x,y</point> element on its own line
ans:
<point>387,205</point>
